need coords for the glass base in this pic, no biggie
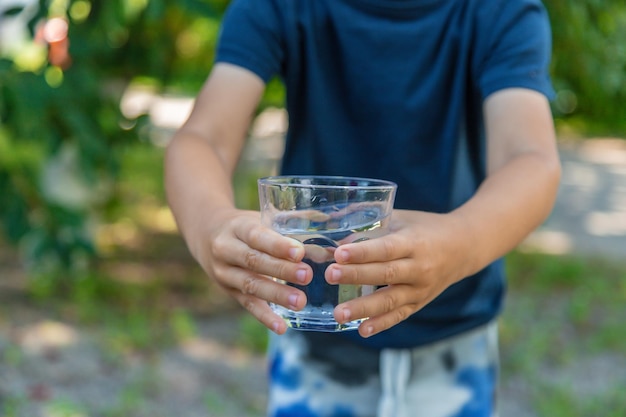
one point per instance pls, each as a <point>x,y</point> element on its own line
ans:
<point>315,319</point>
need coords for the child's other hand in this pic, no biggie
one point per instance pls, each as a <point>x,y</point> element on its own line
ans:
<point>423,254</point>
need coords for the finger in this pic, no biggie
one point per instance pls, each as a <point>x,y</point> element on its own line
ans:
<point>266,289</point>
<point>381,249</point>
<point>268,241</point>
<point>378,324</point>
<point>378,273</point>
<point>386,307</point>
<point>239,254</point>
<point>261,311</point>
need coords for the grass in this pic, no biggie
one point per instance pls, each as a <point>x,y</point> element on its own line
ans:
<point>562,402</point>
<point>564,312</point>
<point>133,317</point>
<point>588,295</point>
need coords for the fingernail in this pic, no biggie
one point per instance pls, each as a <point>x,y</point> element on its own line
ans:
<point>294,253</point>
<point>368,331</point>
<point>293,301</point>
<point>342,255</point>
<point>346,314</point>
<point>301,275</point>
<point>275,327</point>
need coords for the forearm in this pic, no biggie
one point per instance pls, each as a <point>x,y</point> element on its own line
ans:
<point>202,157</point>
<point>510,204</point>
<point>197,184</point>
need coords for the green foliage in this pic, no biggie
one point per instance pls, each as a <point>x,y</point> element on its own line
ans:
<point>62,132</point>
<point>61,127</point>
<point>589,63</point>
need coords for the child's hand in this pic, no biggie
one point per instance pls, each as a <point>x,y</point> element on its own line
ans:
<point>241,255</point>
<point>423,254</point>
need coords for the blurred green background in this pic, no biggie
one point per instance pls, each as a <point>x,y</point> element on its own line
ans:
<point>62,119</point>
<point>86,236</point>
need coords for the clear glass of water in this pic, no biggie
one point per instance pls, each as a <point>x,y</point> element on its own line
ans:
<point>324,212</point>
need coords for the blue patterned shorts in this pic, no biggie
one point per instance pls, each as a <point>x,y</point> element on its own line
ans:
<point>318,375</point>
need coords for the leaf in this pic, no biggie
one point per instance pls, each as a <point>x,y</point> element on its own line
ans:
<point>155,10</point>
<point>14,215</point>
<point>12,11</point>
<point>200,7</point>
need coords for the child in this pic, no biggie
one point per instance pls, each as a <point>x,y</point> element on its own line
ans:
<point>449,99</point>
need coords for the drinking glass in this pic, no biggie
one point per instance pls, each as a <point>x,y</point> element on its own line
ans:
<point>324,212</point>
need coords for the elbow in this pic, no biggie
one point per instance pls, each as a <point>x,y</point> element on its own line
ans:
<point>552,171</point>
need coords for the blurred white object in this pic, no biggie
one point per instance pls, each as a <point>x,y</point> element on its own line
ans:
<point>63,183</point>
<point>13,29</point>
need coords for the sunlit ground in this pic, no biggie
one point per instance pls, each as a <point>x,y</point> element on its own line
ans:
<point>590,213</point>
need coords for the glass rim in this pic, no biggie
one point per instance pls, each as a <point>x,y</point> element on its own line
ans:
<point>372,183</point>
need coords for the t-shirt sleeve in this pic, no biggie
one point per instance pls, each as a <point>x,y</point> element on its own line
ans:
<point>250,37</point>
<point>515,49</point>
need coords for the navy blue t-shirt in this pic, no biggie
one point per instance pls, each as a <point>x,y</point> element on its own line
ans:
<point>393,89</point>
